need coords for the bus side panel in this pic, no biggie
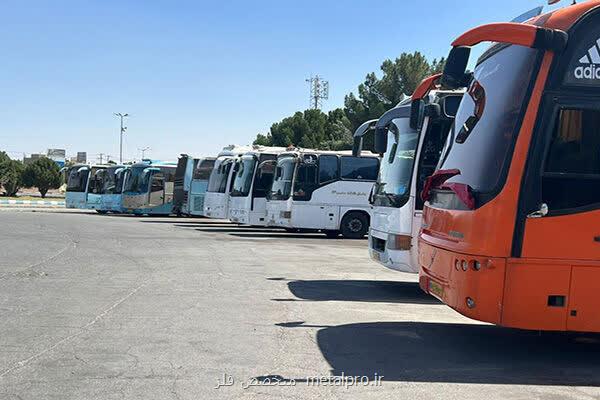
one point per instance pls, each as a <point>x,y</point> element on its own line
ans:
<point>583,315</point>
<point>536,295</point>
<point>572,236</point>
<point>314,216</point>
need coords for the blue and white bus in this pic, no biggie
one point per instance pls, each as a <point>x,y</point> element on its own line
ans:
<point>148,189</point>
<point>81,179</point>
<point>109,189</point>
<point>191,183</point>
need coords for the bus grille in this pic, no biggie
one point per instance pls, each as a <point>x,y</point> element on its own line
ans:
<point>198,203</point>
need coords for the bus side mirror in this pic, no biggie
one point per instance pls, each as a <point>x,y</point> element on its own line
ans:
<point>380,145</point>
<point>455,76</point>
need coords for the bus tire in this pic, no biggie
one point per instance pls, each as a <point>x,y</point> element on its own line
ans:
<point>331,234</point>
<point>355,225</point>
<point>102,212</point>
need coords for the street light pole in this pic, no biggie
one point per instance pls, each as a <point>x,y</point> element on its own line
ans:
<point>143,150</point>
<point>123,129</point>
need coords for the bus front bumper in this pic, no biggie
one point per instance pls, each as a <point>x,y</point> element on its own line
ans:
<point>397,260</point>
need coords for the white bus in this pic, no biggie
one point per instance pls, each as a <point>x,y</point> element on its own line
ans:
<point>216,199</point>
<point>252,180</point>
<point>410,153</point>
<point>322,190</point>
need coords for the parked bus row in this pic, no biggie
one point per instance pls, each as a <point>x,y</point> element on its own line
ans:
<point>295,189</point>
<point>484,183</point>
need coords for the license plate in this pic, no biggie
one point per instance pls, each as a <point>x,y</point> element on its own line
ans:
<point>436,289</point>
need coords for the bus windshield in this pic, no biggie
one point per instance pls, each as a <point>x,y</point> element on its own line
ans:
<point>120,179</point>
<point>486,125</point>
<point>243,178</point>
<point>217,183</point>
<point>77,181</point>
<point>107,181</point>
<point>281,189</point>
<point>137,181</point>
<point>393,184</point>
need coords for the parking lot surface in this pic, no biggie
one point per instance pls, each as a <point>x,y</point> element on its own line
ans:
<point>119,307</point>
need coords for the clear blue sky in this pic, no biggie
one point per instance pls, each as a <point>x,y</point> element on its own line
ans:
<point>198,75</point>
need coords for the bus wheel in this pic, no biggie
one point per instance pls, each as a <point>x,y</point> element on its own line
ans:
<point>355,225</point>
<point>102,211</point>
<point>331,234</point>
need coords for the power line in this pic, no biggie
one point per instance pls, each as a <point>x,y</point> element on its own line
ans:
<point>319,90</point>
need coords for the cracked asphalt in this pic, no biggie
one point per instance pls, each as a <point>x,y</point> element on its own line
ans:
<point>118,307</point>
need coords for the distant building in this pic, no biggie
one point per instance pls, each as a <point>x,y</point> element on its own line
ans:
<point>81,157</point>
<point>32,158</point>
<point>59,156</point>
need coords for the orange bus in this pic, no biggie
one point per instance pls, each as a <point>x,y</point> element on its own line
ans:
<point>511,228</point>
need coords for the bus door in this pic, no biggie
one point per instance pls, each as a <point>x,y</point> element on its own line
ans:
<point>157,189</point>
<point>263,179</point>
<point>319,211</point>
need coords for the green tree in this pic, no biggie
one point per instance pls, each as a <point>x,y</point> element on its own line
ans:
<point>310,129</point>
<point>43,174</point>
<point>400,78</point>
<point>11,172</point>
<point>334,130</point>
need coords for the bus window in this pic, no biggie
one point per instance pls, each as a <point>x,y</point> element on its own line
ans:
<point>203,170</point>
<point>306,181</point>
<point>328,169</point>
<point>264,178</point>
<point>360,168</point>
<point>571,175</point>
<point>77,180</point>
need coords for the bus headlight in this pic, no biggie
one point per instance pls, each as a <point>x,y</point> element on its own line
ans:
<point>399,242</point>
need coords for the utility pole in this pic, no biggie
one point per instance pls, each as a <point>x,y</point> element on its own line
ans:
<point>144,150</point>
<point>100,156</point>
<point>123,129</point>
<point>319,90</point>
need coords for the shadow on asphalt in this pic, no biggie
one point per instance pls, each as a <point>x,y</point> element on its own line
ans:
<point>357,290</point>
<point>280,235</point>
<point>223,225</point>
<point>174,218</point>
<point>248,229</point>
<point>459,353</point>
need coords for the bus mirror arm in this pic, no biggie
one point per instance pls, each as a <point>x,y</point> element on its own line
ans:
<point>542,212</point>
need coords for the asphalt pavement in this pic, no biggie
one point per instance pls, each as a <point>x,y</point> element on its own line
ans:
<point>120,307</point>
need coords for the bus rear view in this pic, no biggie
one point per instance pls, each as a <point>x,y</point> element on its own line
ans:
<point>510,230</point>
